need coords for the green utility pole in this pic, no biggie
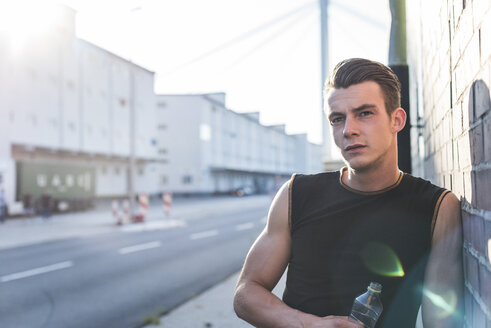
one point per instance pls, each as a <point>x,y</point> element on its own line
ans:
<point>398,63</point>
<point>326,144</point>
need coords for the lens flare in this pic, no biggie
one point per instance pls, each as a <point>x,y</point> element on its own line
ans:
<point>447,304</point>
<point>489,250</point>
<point>382,260</point>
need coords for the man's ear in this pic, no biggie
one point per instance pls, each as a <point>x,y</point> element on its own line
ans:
<point>398,119</point>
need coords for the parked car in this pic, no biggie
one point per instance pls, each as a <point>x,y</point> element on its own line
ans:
<point>243,191</point>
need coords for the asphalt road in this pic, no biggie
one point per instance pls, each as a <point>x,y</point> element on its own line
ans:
<point>118,278</point>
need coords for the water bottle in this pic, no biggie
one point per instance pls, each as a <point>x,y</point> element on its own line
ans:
<point>367,307</point>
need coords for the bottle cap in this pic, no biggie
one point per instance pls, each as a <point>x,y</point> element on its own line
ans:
<point>375,287</point>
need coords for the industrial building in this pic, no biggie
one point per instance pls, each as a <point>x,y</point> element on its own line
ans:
<point>65,113</point>
<point>208,148</point>
<point>74,116</point>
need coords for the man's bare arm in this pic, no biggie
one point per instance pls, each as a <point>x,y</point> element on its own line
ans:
<point>262,269</point>
<point>442,304</point>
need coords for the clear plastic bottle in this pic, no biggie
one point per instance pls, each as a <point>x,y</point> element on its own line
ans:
<point>367,307</point>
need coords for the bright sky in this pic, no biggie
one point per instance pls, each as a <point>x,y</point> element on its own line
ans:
<point>275,70</point>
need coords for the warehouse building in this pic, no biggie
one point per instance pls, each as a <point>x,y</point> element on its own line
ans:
<point>65,118</point>
<point>72,115</point>
<point>208,148</point>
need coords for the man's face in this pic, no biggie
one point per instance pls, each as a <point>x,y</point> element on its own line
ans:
<point>361,127</point>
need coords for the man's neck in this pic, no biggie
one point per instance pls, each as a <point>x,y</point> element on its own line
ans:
<point>370,180</point>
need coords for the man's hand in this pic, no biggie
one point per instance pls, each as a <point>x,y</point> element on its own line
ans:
<point>336,322</point>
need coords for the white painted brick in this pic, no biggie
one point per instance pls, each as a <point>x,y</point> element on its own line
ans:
<point>480,12</point>
<point>468,186</point>
<point>467,109</point>
<point>486,38</point>
<point>457,9</point>
<point>456,154</point>
<point>457,120</point>
<point>472,58</point>
<point>464,152</point>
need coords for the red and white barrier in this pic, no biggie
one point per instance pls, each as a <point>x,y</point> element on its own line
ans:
<point>167,201</point>
<point>126,211</point>
<point>115,210</point>
<point>143,201</point>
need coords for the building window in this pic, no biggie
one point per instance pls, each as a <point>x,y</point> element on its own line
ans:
<point>103,170</point>
<point>187,179</point>
<point>163,180</point>
<point>205,132</point>
<point>161,105</point>
<point>117,170</point>
<point>162,151</point>
<point>162,126</point>
<point>70,85</point>
<point>141,171</point>
<point>32,73</point>
<point>53,79</point>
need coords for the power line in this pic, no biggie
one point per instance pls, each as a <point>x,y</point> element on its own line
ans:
<point>359,15</point>
<point>267,40</point>
<point>241,37</point>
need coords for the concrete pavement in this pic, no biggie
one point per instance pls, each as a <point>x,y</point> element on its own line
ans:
<point>212,308</point>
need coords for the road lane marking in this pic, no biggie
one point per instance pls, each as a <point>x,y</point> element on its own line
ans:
<point>204,234</point>
<point>244,226</point>
<point>139,247</point>
<point>153,225</point>
<point>36,271</point>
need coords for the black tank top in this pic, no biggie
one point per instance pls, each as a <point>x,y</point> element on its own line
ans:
<point>342,239</point>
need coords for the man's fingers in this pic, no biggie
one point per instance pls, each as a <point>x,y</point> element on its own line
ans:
<point>344,322</point>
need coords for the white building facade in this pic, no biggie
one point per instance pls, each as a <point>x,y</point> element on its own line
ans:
<point>65,110</point>
<point>208,148</point>
<point>70,112</point>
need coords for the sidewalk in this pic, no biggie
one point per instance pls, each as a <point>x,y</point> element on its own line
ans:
<point>16,232</point>
<point>212,309</point>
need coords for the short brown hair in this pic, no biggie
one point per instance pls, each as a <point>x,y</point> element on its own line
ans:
<point>357,70</point>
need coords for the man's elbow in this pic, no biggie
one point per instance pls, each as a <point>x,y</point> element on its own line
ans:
<point>239,302</point>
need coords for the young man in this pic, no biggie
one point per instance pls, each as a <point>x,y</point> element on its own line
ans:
<point>338,231</point>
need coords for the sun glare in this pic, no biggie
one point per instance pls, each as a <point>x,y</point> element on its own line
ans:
<point>381,259</point>
<point>446,305</point>
<point>21,21</point>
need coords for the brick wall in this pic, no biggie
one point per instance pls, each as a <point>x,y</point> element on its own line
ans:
<point>449,58</point>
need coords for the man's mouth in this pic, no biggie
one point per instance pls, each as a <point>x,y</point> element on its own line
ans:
<point>354,147</point>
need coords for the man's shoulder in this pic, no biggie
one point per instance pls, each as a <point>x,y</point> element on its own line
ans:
<point>314,183</point>
<point>318,175</point>
<point>316,178</point>
<point>416,182</point>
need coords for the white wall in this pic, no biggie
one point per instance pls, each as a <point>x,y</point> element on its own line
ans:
<point>181,116</point>
<point>222,150</point>
<point>63,94</point>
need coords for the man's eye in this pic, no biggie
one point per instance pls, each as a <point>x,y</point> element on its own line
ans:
<point>336,120</point>
<point>365,113</point>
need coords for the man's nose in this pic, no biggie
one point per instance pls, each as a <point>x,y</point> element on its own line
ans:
<point>350,127</point>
